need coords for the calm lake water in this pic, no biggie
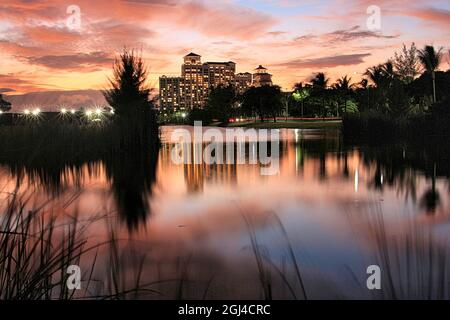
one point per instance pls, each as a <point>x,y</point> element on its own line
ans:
<point>226,231</point>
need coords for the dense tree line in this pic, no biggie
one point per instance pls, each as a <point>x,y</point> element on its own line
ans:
<point>408,84</point>
<point>407,96</point>
<point>225,103</point>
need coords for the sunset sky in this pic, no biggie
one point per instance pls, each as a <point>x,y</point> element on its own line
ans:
<point>293,38</point>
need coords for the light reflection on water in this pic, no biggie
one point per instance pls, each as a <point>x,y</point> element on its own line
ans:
<point>342,208</point>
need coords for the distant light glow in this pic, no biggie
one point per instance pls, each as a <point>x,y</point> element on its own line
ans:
<point>72,111</point>
<point>63,111</point>
<point>36,112</point>
<point>88,113</point>
<point>183,115</point>
<point>26,111</point>
<point>98,111</point>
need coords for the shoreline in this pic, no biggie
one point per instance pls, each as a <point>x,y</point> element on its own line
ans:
<point>280,124</point>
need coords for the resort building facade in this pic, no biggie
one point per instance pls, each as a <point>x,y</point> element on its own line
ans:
<point>192,88</point>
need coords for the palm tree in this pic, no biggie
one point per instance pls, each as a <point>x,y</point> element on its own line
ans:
<point>320,84</point>
<point>430,60</point>
<point>320,81</point>
<point>388,71</point>
<point>376,75</point>
<point>301,93</point>
<point>364,85</point>
<point>382,76</point>
<point>344,87</point>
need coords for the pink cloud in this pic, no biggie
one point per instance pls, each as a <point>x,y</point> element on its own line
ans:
<point>431,15</point>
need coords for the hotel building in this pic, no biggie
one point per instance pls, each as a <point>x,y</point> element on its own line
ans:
<point>243,81</point>
<point>192,88</point>
<point>262,77</point>
<point>171,93</point>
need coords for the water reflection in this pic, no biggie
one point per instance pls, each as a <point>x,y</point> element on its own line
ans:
<point>309,155</point>
<point>56,167</point>
<point>343,208</point>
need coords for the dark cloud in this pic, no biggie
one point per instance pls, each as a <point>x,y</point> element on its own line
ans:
<point>327,62</point>
<point>5,90</point>
<point>16,83</point>
<point>344,35</point>
<point>79,61</point>
<point>355,33</point>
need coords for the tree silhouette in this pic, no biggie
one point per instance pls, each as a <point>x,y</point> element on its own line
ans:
<point>300,95</point>
<point>344,88</point>
<point>320,84</point>
<point>129,93</point>
<point>4,105</point>
<point>383,77</point>
<point>220,102</point>
<point>320,81</point>
<point>130,98</point>
<point>406,63</point>
<point>430,60</point>
<point>263,101</point>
